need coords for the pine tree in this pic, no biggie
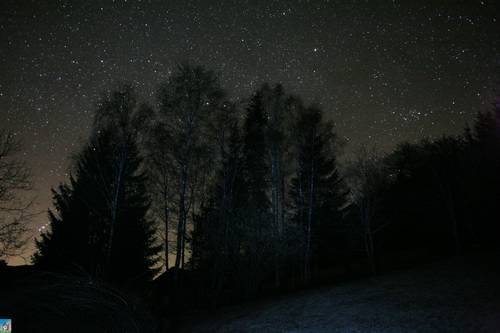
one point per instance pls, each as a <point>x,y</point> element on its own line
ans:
<point>255,166</point>
<point>234,230</point>
<point>100,219</point>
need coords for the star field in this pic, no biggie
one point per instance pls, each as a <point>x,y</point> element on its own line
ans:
<point>385,71</point>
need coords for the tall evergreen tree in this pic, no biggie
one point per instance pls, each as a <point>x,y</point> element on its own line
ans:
<point>100,220</point>
<point>256,225</point>
<point>255,149</point>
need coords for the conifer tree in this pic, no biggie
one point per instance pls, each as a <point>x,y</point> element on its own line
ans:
<point>100,221</point>
<point>255,166</point>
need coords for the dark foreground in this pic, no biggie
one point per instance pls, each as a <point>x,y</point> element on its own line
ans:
<point>455,295</point>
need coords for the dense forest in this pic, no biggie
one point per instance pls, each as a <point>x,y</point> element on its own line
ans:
<point>221,201</point>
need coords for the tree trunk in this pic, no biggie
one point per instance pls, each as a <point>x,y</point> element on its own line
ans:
<point>454,225</point>
<point>307,264</point>
<point>450,207</point>
<point>165,217</point>
<point>301,205</point>
<point>114,207</point>
<point>368,234</point>
<point>181,222</point>
<point>276,217</point>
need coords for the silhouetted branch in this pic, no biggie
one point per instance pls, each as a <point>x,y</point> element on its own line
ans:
<point>15,211</point>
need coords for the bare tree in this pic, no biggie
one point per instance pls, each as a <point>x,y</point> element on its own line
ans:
<point>187,101</point>
<point>278,108</point>
<point>317,189</point>
<point>15,181</point>
<point>366,176</point>
<point>161,176</point>
<point>227,148</point>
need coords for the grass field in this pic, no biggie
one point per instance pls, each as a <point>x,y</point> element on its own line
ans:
<point>457,295</point>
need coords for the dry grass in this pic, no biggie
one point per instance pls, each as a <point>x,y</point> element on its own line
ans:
<point>458,295</point>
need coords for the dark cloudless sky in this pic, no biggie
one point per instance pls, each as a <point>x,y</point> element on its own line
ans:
<point>385,71</point>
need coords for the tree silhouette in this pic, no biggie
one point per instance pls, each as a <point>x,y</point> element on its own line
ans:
<point>15,181</point>
<point>100,220</point>
<point>215,240</point>
<point>188,100</point>
<point>483,184</point>
<point>317,189</point>
<point>368,179</point>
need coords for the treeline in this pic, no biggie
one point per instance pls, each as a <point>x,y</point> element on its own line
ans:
<point>428,199</point>
<point>238,196</point>
<point>438,196</point>
<point>250,197</point>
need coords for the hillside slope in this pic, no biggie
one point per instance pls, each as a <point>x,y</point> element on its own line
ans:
<point>457,295</point>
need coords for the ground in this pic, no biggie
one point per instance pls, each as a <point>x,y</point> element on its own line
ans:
<point>454,295</point>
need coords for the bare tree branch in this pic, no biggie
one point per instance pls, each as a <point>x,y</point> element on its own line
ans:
<point>15,207</point>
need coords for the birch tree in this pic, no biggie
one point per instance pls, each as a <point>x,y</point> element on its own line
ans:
<point>317,189</point>
<point>187,101</point>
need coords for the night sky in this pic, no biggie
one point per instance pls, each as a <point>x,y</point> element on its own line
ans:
<point>385,71</point>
